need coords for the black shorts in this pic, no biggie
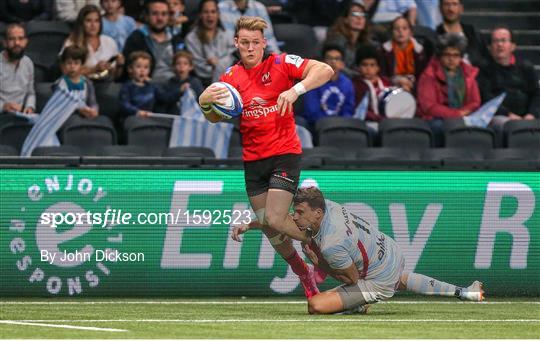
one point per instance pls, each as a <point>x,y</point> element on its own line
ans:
<point>281,172</point>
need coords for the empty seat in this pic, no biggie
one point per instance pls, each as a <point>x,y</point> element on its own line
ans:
<point>58,151</point>
<point>89,134</point>
<point>107,95</point>
<point>457,154</point>
<point>347,134</point>
<point>6,150</point>
<point>514,154</point>
<point>522,134</point>
<point>406,133</point>
<point>125,151</point>
<point>235,152</point>
<point>189,152</point>
<point>152,133</point>
<point>41,73</point>
<point>14,133</point>
<point>45,40</point>
<point>459,135</point>
<point>386,154</point>
<point>297,39</point>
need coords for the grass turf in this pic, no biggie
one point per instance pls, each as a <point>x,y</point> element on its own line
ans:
<point>153,318</point>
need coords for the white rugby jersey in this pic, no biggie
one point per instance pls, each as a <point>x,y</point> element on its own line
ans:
<point>344,238</point>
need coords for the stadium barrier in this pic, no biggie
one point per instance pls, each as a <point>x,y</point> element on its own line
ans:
<point>457,226</point>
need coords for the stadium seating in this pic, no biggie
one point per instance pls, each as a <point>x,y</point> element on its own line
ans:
<point>458,135</point>
<point>64,150</point>
<point>346,133</point>
<point>45,40</point>
<point>455,154</point>
<point>151,133</point>
<point>44,91</point>
<point>6,150</point>
<point>522,134</point>
<point>411,133</point>
<point>107,95</point>
<point>297,39</point>
<point>89,134</point>
<point>41,73</point>
<point>386,154</point>
<point>14,133</point>
<point>511,154</point>
<point>124,151</point>
<point>189,152</point>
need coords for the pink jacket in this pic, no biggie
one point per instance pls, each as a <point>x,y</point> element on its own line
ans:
<point>432,93</point>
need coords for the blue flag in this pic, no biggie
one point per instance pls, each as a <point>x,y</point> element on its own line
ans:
<point>361,110</point>
<point>484,114</point>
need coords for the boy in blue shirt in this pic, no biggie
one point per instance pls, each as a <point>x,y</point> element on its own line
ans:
<point>115,24</point>
<point>336,97</point>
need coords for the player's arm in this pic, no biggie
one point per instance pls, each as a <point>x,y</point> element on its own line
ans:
<point>241,229</point>
<point>348,275</point>
<point>314,75</point>
<point>212,95</point>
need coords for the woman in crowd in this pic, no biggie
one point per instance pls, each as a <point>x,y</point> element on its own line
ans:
<point>351,32</point>
<point>212,47</point>
<point>403,58</point>
<point>103,60</point>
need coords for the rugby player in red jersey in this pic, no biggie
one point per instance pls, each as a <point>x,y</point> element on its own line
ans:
<point>271,147</point>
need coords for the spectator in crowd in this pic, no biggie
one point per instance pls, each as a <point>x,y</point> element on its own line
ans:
<point>115,24</point>
<point>451,11</point>
<point>71,61</point>
<point>179,21</point>
<point>157,39</point>
<point>336,97</point>
<point>183,79</point>
<point>448,87</point>
<point>16,74</point>
<point>211,45</point>
<point>385,11</point>
<point>16,11</point>
<point>102,58</point>
<point>517,78</point>
<point>232,10</point>
<point>351,32</point>
<point>138,96</point>
<point>68,10</point>
<point>370,82</point>
<point>403,58</point>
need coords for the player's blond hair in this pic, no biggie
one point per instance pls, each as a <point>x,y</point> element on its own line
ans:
<point>250,24</point>
<point>310,195</point>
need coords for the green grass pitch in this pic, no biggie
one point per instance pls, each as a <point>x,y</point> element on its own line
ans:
<point>409,317</point>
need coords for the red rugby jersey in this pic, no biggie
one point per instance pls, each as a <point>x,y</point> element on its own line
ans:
<point>264,132</point>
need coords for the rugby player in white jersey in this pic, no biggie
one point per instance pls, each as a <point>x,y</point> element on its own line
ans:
<point>368,262</point>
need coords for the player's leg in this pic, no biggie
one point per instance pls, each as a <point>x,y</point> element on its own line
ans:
<point>283,245</point>
<point>344,298</point>
<point>425,285</point>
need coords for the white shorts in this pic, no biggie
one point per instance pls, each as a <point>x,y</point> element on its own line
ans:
<point>375,289</point>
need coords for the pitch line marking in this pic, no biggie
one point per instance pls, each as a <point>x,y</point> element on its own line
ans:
<point>64,326</point>
<point>292,320</point>
<point>239,302</point>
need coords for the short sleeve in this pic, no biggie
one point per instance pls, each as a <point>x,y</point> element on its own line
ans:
<point>294,65</point>
<point>337,257</point>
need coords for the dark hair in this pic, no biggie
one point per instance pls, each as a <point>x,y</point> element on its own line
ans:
<point>12,26</point>
<point>310,195</point>
<point>400,18</point>
<point>441,3</point>
<point>77,36</point>
<point>502,27</point>
<point>133,56</point>
<point>183,54</point>
<point>121,2</point>
<point>74,52</point>
<point>366,52</point>
<point>332,47</point>
<point>451,40</point>
<point>198,24</point>
<point>147,4</point>
<point>340,26</point>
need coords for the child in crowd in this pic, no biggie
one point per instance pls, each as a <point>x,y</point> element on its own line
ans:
<point>369,81</point>
<point>336,97</point>
<point>138,96</point>
<point>71,62</point>
<point>184,79</point>
<point>115,24</point>
<point>178,18</point>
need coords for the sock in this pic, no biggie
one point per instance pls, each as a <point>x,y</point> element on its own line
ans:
<point>425,285</point>
<point>298,266</point>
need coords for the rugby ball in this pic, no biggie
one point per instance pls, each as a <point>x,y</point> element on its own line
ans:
<point>233,103</point>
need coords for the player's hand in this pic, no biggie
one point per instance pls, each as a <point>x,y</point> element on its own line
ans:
<point>239,230</point>
<point>310,254</point>
<point>213,94</point>
<point>285,101</point>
